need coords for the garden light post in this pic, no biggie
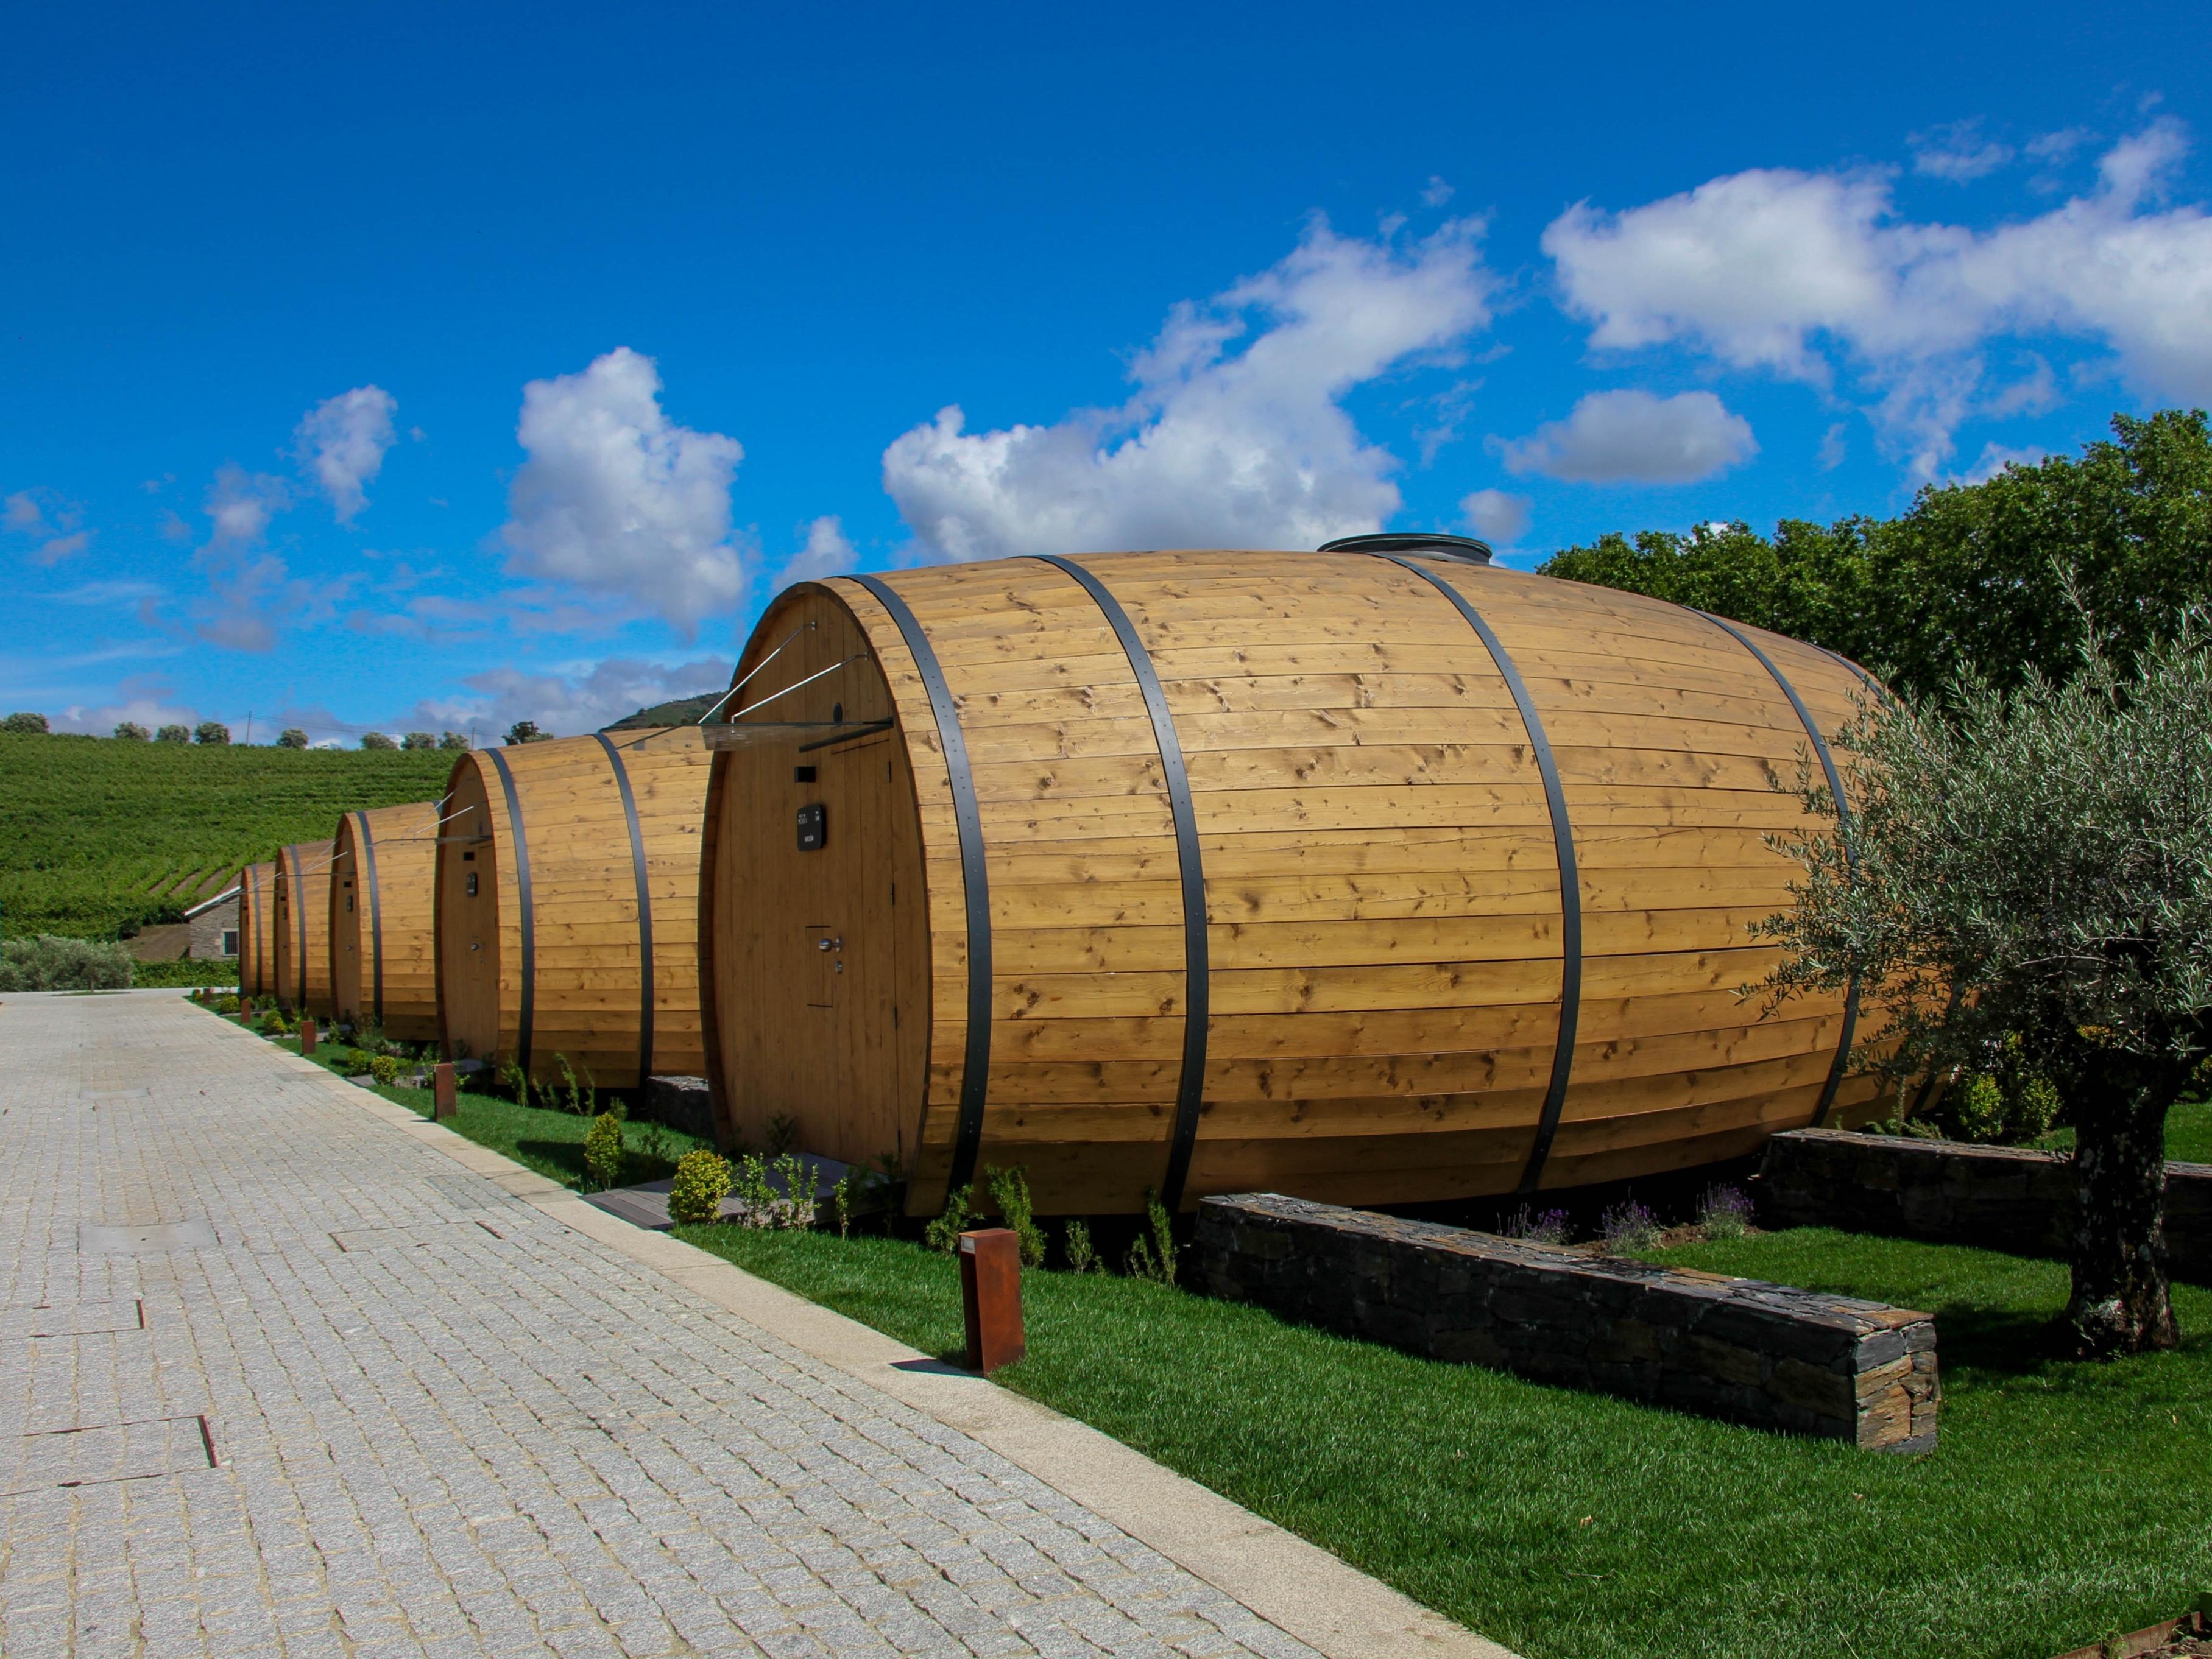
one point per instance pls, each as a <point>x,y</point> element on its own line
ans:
<point>991,1295</point>
<point>445,1104</point>
<point>307,1037</point>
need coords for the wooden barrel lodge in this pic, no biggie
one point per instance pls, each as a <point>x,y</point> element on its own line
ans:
<point>567,888</point>
<point>257,921</point>
<point>301,925</point>
<point>383,964</point>
<point>1373,874</point>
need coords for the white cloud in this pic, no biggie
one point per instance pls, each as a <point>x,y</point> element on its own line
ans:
<point>1498,517</point>
<point>62,546</point>
<point>1956,153</point>
<point>241,505</point>
<point>580,698</point>
<point>1635,438</point>
<point>1805,275</point>
<point>1995,458</point>
<point>616,499</point>
<point>827,552</point>
<point>1437,193</point>
<point>140,698</point>
<point>342,442</point>
<point>1832,448</point>
<point>1249,449</point>
<point>22,513</point>
<point>251,589</point>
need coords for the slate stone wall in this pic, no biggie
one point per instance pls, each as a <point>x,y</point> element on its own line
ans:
<point>682,1103</point>
<point>1765,1354</point>
<point>1999,1198</point>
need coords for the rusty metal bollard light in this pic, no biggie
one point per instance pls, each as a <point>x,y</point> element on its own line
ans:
<point>307,1037</point>
<point>991,1294</point>
<point>245,1010</point>
<point>445,1102</point>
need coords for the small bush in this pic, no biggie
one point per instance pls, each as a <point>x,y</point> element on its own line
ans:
<point>1551,1227</point>
<point>131,732</point>
<point>48,963</point>
<point>841,1197</point>
<point>226,1005</point>
<point>1153,1256</point>
<point>377,740</point>
<point>603,1151</point>
<point>943,1234</point>
<point>385,1068</point>
<point>702,1181</point>
<point>1628,1228</point>
<point>291,738</point>
<point>1010,1191</point>
<point>213,733</point>
<point>782,1133</point>
<point>184,971</point>
<point>25,724</point>
<point>1075,1243</point>
<point>452,740</point>
<point>178,734</point>
<point>418,739</point>
<point>1724,1212</point>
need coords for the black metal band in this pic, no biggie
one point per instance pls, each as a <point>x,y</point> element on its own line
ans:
<point>1190,1088</point>
<point>1571,886</point>
<point>529,1010</point>
<point>975,1068</point>
<point>298,887</point>
<point>644,912</point>
<point>1844,825</point>
<point>375,908</point>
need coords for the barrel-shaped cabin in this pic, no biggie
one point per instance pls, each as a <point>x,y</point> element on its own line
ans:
<point>1368,875</point>
<point>301,926</point>
<point>257,937</point>
<point>567,884</point>
<point>384,963</point>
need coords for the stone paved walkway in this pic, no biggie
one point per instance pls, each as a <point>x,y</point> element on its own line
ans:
<point>276,1379</point>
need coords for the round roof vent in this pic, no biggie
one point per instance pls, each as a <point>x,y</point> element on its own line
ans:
<point>1464,548</point>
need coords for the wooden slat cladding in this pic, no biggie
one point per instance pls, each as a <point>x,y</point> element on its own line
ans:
<point>300,928</point>
<point>257,922</point>
<point>1370,851</point>
<point>384,969</point>
<point>600,966</point>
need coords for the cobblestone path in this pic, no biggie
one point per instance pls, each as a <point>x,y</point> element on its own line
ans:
<point>275,1378</point>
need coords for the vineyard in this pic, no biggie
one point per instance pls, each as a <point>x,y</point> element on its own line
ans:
<point>100,838</point>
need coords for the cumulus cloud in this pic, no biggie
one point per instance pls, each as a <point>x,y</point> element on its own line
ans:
<point>1808,275</point>
<point>618,499</point>
<point>1995,458</point>
<point>1956,153</point>
<point>22,513</point>
<point>827,552</point>
<point>1636,437</point>
<point>577,698</point>
<point>142,699</point>
<point>1219,446</point>
<point>1498,517</point>
<point>48,518</point>
<point>342,441</point>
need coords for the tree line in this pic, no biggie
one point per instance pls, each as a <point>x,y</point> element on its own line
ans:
<point>1996,576</point>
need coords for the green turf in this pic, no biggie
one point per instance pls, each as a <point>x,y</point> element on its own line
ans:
<point>549,1141</point>
<point>2188,1134</point>
<point>100,837</point>
<point>2065,1503</point>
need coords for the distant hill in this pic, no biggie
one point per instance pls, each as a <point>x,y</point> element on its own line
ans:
<point>100,838</point>
<point>683,712</point>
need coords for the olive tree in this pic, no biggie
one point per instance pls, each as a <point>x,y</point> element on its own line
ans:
<point>291,738</point>
<point>2031,870</point>
<point>173,734</point>
<point>377,740</point>
<point>213,733</point>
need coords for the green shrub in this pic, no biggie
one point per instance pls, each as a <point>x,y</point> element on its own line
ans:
<point>1082,1254</point>
<point>1153,1256</point>
<point>184,971</point>
<point>212,733</point>
<point>48,963</point>
<point>377,740</point>
<point>943,1234</point>
<point>384,1068</point>
<point>131,732</point>
<point>226,1005</point>
<point>702,1181</point>
<point>603,1151</point>
<point>1724,1212</point>
<point>290,738</point>
<point>27,724</point>
<point>418,739</point>
<point>1010,1191</point>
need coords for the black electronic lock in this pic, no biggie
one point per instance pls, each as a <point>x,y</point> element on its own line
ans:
<point>813,827</point>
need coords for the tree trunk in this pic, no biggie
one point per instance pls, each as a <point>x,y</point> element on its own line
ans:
<point>2120,1303</point>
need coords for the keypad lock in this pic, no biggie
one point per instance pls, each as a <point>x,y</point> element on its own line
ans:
<point>813,827</point>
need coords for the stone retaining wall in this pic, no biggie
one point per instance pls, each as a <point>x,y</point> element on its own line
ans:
<point>1759,1353</point>
<point>2000,1197</point>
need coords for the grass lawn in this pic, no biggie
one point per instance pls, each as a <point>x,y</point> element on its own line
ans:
<point>2067,1502</point>
<point>551,1142</point>
<point>2188,1134</point>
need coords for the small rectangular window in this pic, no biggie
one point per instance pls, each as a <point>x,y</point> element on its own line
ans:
<point>230,942</point>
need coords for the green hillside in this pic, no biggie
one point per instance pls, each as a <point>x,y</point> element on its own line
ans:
<point>98,838</point>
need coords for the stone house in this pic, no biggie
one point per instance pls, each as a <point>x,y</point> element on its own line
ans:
<point>214,922</point>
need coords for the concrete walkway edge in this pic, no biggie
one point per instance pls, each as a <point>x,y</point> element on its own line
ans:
<point>1296,1586</point>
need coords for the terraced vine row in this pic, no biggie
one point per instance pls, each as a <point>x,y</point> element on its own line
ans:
<point>98,838</point>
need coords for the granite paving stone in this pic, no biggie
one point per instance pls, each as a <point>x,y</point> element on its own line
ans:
<point>448,1425</point>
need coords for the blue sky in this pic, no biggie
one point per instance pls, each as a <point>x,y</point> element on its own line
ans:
<point>428,367</point>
